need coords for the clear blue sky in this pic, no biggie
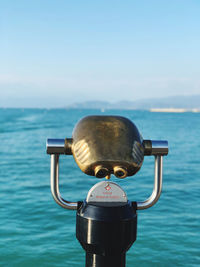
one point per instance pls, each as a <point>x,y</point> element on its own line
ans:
<point>53,53</point>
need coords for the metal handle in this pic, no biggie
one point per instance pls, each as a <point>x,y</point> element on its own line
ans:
<point>158,149</point>
<point>157,186</point>
<point>54,179</point>
<point>59,146</point>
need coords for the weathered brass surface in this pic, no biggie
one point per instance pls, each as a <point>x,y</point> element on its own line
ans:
<point>103,145</point>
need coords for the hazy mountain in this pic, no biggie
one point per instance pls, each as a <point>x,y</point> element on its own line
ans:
<point>186,102</point>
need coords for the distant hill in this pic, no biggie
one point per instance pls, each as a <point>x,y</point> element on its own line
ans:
<point>177,102</point>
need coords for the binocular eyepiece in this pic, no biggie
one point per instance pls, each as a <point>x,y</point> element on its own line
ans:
<point>101,172</point>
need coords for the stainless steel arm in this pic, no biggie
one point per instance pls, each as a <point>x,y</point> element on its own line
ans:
<point>158,149</point>
<point>55,146</point>
<point>54,179</point>
<point>157,186</point>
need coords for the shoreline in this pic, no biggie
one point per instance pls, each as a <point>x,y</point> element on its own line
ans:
<point>174,110</point>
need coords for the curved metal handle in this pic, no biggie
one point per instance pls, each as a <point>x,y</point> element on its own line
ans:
<point>54,179</point>
<point>157,186</point>
<point>157,149</point>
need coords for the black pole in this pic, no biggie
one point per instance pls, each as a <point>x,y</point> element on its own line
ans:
<point>94,260</point>
<point>106,232</point>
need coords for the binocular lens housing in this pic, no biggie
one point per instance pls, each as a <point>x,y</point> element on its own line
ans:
<point>120,172</point>
<point>101,172</point>
<point>103,145</point>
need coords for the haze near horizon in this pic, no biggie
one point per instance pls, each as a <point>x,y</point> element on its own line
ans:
<point>54,53</point>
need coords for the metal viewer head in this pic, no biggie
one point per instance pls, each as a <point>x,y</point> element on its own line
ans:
<point>105,145</point>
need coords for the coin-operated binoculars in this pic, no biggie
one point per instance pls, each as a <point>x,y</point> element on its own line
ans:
<point>106,221</point>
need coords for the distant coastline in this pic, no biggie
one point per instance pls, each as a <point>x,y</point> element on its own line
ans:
<point>176,104</point>
<point>174,110</point>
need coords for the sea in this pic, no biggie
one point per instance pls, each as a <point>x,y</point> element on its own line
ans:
<point>36,232</point>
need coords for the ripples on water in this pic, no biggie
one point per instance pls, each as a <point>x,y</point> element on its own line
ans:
<point>35,231</point>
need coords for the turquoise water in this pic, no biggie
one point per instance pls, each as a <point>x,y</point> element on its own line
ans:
<point>35,231</point>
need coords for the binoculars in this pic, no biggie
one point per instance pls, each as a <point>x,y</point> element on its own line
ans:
<point>103,146</point>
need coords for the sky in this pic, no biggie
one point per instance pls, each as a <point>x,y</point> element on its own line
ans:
<point>55,53</point>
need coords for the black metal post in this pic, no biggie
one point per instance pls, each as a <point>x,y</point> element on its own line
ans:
<point>94,260</point>
<point>106,232</point>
